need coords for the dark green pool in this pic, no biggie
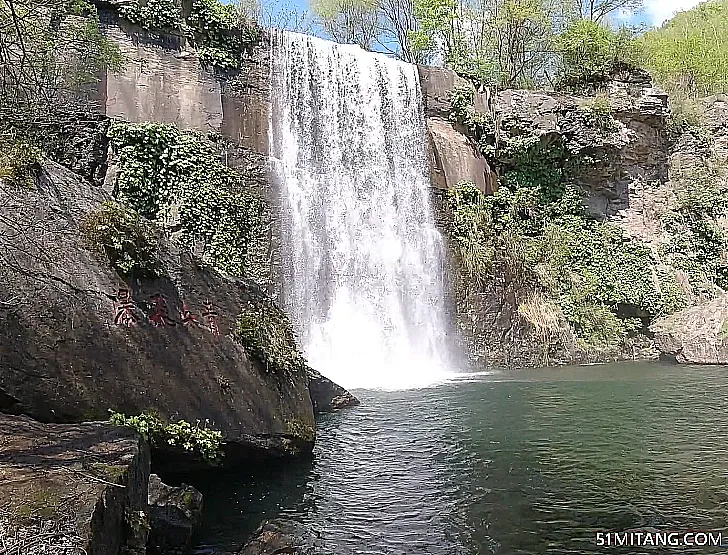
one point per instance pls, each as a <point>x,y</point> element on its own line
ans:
<point>520,462</point>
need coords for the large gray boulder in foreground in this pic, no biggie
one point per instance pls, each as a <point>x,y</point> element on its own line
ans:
<point>696,335</point>
<point>72,488</point>
<point>63,358</point>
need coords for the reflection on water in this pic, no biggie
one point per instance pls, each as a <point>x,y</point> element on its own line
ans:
<point>524,462</point>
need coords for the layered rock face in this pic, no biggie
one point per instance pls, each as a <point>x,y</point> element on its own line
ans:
<point>72,488</point>
<point>174,513</point>
<point>627,152</point>
<point>454,157</point>
<point>65,357</point>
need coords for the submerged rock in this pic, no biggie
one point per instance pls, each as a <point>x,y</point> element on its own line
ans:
<point>174,513</point>
<point>696,335</point>
<point>326,396</point>
<point>66,357</point>
<point>281,536</point>
<point>73,487</point>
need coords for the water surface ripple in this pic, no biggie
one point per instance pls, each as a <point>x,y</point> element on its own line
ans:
<point>525,462</point>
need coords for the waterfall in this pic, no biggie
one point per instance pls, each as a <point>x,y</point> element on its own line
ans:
<point>363,261</point>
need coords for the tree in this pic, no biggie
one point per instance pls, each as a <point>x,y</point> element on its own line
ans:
<point>349,21</point>
<point>600,10</point>
<point>689,54</point>
<point>279,14</point>
<point>592,53</point>
<point>48,48</point>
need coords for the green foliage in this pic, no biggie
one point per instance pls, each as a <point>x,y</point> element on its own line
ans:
<point>201,440</point>
<point>603,282</point>
<point>178,179</point>
<point>471,228</point>
<point>698,244</point>
<point>591,53</point>
<point>589,263</point>
<point>599,114</point>
<point>154,14</point>
<point>689,54</point>
<point>297,429</point>
<point>50,49</point>
<point>222,38</point>
<point>126,240</point>
<point>19,163</point>
<point>266,334</point>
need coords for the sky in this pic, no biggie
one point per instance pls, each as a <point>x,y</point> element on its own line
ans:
<point>654,12</point>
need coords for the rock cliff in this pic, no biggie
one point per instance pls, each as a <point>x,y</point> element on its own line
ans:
<point>66,356</point>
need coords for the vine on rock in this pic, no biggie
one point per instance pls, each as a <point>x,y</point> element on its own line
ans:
<point>222,37</point>
<point>178,179</point>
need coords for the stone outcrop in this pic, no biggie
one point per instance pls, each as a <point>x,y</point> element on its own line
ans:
<point>454,157</point>
<point>326,396</point>
<point>68,488</point>
<point>162,80</point>
<point>174,513</point>
<point>626,164</point>
<point>696,335</point>
<point>281,536</point>
<point>63,358</point>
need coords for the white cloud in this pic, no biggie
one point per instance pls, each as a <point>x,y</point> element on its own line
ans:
<point>659,11</point>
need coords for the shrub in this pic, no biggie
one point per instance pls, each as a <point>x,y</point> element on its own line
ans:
<point>689,54</point>
<point>471,228</point>
<point>19,163</point>
<point>592,53</point>
<point>222,38</point>
<point>126,240</point>
<point>177,179</point>
<point>265,332</point>
<point>591,267</point>
<point>207,443</point>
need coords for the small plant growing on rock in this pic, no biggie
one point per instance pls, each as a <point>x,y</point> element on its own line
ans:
<point>297,429</point>
<point>19,163</point>
<point>599,114</point>
<point>266,334</point>
<point>123,237</point>
<point>189,437</point>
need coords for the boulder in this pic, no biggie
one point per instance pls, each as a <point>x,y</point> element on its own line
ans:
<point>326,396</point>
<point>281,536</point>
<point>174,513</point>
<point>64,357</point>
<point>72,488</point>
<point>696,335</point>
<point>455,158</point>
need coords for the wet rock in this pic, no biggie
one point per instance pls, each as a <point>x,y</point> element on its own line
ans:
<point>174,513</point>
<point>72,486</point>
<point>326,396</point>
<point>696,335</point>
<point>64,359</point>
<point>281,536</point>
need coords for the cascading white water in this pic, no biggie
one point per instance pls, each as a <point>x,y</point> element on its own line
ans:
<point>364,261</point>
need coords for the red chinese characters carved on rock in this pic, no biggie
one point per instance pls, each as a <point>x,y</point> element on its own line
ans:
<point>125,309</point>
<point>211,316</point>
<point>160,313</point>
<point>187,317</point>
